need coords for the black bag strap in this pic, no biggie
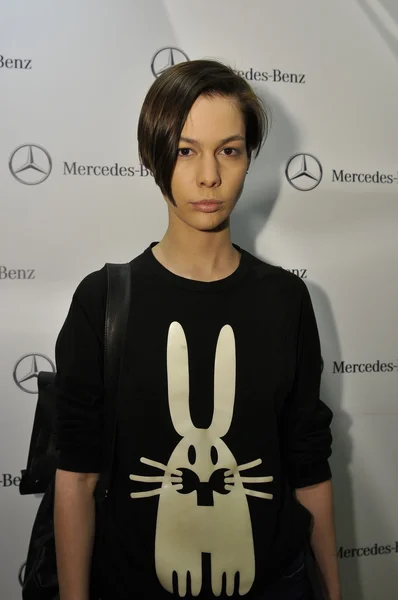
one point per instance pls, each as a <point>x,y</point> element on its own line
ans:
<point>42,456</point>
<point>116,318</point>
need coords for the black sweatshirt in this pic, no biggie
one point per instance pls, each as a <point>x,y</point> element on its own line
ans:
<point>220,421</point>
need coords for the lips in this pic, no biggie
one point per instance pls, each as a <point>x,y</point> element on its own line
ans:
<point>207,205</point>
<point>207,201</point>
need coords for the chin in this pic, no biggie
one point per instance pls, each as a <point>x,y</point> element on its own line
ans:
<point>210,222</point>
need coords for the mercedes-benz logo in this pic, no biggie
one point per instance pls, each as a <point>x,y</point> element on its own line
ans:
<point>30,164</point>
<point>304,172</point>
<point>27,370</point>
<point>166,58</point>
<point>21,574</point>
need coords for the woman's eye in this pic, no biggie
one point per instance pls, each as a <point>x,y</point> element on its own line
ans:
<point>184,151</point>
<point>231,151</point>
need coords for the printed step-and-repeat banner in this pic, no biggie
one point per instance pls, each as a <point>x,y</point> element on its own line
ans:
<point>321,201</point>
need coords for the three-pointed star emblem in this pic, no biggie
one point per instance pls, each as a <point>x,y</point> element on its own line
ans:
<point>304,172</point>
<point>30,164</point>
<point>166,58</point>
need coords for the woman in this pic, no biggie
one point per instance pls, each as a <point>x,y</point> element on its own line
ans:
<point>221,473</point>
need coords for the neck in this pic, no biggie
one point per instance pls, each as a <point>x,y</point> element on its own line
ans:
<point>198,255</point>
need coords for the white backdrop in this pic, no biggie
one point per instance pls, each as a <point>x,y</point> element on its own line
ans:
<point>73,75</point>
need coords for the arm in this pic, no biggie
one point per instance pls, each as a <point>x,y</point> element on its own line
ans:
<point>307,445</point>
<point>318,499</point>
<point>79,424</point>
<point>74,525</point>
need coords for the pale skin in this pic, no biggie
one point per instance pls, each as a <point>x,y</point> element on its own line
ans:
<point>197,245</point>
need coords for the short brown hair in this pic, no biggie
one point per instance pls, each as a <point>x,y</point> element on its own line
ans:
<point>168,102</point>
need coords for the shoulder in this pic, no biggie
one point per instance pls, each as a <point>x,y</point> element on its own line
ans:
<point>91,292</point>
<point>275,278</point>
<point>87,307</point>
<point>92,286</point>
<point>282,293</point>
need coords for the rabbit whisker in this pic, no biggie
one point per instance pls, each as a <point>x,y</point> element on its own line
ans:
<point>158,465</point>
<point>245,467</point>
<point>146,494</point>
<point>250,479</point>
<point>258,494</point>
<point>146,478</point>
<point>149,478</point>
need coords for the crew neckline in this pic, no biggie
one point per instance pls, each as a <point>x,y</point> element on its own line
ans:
<point>194,284</point>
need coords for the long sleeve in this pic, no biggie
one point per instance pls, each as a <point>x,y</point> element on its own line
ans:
<point>306,424</point>
<point>79,380</point>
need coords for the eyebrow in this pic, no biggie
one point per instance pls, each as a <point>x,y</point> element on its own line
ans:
<point>231,138</point>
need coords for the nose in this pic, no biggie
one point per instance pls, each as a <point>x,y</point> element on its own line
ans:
<point>209,173</point>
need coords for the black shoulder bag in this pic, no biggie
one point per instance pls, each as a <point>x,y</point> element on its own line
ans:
<point>40,580</point>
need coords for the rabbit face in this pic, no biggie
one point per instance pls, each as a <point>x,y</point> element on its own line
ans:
<point>202,453</point>
<point>203,463</point>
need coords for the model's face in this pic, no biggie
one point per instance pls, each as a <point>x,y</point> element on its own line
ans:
<point>211,164</point>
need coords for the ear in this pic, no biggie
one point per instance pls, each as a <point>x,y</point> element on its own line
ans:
<point>178,379</point>
<point>224,382</point>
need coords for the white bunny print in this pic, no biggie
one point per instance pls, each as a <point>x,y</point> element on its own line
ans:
<point>202,500</point>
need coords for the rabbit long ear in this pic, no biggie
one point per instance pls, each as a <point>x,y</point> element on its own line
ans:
<point>224,382</point>
<point>178,379</point>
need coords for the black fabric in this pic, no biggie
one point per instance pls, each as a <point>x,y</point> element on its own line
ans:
<point>294,583</point>
<point>277,419</point>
